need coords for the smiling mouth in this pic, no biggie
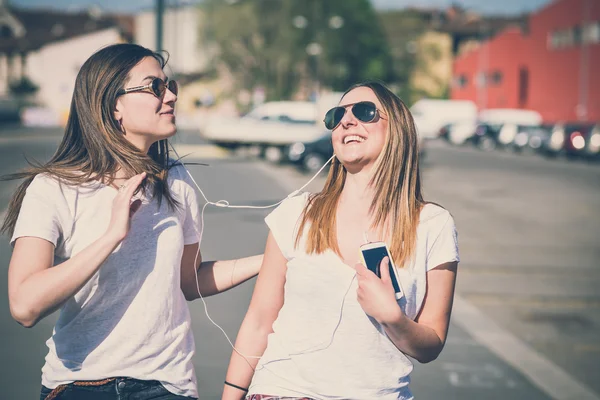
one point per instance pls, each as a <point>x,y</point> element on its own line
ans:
<point>353,139</point>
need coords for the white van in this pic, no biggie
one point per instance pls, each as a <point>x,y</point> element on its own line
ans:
<point>431,115</point>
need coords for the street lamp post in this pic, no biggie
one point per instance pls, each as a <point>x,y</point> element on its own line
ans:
<point>160,10</point>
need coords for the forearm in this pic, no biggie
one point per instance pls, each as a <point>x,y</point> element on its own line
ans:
<point>218,276</point>
<point>250,344</point>
<point>45,291</point>
<point>416,340</point>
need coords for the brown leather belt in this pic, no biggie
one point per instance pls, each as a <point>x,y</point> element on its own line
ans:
<point>61,388</point>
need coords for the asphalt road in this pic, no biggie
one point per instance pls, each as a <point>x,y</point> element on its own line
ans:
<point>527,315</point>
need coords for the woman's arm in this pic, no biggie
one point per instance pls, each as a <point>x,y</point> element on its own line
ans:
<point>35,290</point>
<point>214,276</point>
<point>264,307</point>
<point>424,338</point>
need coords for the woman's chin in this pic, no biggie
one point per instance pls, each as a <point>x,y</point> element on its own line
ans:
<point>168,133</point>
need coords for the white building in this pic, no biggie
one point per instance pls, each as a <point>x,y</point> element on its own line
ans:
<point>49,47</point>
<point>182,38</point>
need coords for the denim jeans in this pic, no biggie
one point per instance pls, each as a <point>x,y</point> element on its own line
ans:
<point>113,389</point>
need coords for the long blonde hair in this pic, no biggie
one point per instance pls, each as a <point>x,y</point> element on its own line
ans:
<point>397,202</point>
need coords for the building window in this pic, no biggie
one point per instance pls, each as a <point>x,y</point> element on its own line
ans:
<point>574,36</point>
<point>561,39</point>
<point>461,81</point>
<point>496,78</point>
<point>591,33</point>
<point>523,86</point>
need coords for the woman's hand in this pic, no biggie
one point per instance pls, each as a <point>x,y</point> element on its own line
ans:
<point>377,296</point>
<point>123,208</point>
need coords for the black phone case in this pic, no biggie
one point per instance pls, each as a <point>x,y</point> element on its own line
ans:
<point>374,259</point>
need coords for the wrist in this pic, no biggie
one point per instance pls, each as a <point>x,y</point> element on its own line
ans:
<point>112,239</point>
<point>393,317</point>
<point>237,387</point>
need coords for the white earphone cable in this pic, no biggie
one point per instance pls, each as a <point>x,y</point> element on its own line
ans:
<point>225,204</point>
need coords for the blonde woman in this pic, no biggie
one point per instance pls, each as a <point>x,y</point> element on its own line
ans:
<point>322,324</point>
<point>107,231</point>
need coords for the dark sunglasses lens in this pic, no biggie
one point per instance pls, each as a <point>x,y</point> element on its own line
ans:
<point>173,87</point>
<point>158,87</point>
<point>364,111</point>
<point>334,116</point>
<point>329,118</point>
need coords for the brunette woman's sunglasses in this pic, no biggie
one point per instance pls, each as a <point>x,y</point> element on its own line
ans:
<point>157,87</point>
<point>364,111</point>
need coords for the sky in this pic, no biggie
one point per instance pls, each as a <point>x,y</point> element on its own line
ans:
<point>481,6</point>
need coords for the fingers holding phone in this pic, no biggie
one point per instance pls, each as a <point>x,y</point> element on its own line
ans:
<point>376,257</point>
<point>376,295</point>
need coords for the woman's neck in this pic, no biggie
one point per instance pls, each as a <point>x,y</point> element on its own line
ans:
<point>358,189</point>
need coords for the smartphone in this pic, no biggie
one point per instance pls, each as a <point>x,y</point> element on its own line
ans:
<point>372,254</point>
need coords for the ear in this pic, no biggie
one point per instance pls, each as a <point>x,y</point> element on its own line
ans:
<point>118,112</point>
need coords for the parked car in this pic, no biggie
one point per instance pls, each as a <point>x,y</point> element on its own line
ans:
<point>572,139</point>
<point>459,133</point>
<point>499,127</point>
<point>270,126</point>
<point>309,156</point>
<point>555,143</point>
<point>9,110</point>
<point>529,139</point>
<point>486,136</point>
<point>431,115</point>
<point>592,147</point>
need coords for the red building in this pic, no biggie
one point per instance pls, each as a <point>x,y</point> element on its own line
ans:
<point>551,67</point>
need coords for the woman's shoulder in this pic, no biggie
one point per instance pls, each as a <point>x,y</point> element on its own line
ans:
<point>45,183</point>
<point>292,206</point>
<point>296,202</point>
<point>433,215</point>
<point>176,168</point>
<point>178,174</point>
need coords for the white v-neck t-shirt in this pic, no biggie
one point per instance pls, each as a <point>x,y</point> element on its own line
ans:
<point>323,344</point>
<point>131,318</point>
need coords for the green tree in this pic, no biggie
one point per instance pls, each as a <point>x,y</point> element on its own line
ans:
<point>255,43</point>
<point>264,43</point>
<point>403,28</point>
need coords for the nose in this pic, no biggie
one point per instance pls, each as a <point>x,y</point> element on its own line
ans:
<point>348,119</point>
<point>169,97</point>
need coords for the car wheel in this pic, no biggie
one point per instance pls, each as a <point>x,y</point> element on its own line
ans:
<point>273,154</point>
<point>487,144</point>
<point>312,162</point>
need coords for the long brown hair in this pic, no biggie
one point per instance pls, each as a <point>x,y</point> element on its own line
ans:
<point>396,181</point>
<point>93,147</point>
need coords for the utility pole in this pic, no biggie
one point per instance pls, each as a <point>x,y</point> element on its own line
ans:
<point>160,10</point>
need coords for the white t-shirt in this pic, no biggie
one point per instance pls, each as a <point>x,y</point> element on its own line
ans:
<point>323,344</point>
<point>131,318</point>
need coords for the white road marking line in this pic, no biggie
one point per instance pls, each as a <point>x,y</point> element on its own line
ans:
<point>542,372</point>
